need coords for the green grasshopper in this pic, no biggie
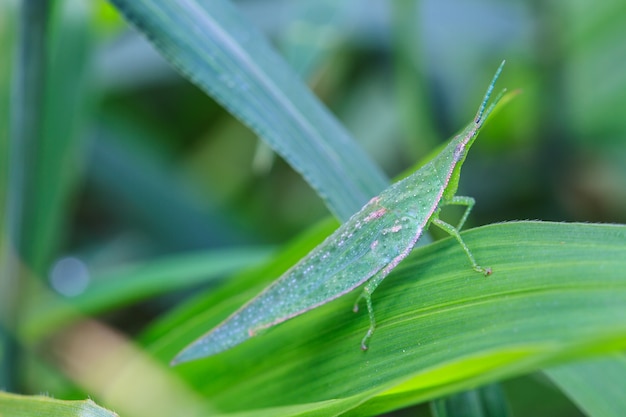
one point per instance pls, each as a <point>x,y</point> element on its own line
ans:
<point>364,250</point>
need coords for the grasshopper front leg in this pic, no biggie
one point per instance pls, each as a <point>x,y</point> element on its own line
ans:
<point>369,288</point>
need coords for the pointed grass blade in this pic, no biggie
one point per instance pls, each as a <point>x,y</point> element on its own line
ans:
<point>217,49</point>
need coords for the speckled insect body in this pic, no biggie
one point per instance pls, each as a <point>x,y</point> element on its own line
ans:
<point>364,250</point>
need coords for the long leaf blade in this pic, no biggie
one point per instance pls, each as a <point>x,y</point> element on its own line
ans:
<point>224,55</point>
<point>557,292</point>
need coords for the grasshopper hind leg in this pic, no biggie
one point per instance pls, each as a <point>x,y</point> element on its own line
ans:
<point>468,202</point>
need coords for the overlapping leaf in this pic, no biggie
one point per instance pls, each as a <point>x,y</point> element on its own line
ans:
<point>214,46</point>
<point>557,292</point>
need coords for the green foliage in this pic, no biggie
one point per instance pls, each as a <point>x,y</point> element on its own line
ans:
<point>160,194</point>
<point>132,283</point>
<point>26,406</point>
<point>484,402</point>
<point>430,313</point>
<point>595,385</point>
<point>231,61</point>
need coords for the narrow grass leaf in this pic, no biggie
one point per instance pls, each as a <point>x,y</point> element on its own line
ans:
<point>218,50</point>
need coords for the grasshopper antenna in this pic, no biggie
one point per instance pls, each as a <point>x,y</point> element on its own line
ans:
<point>483,105</point>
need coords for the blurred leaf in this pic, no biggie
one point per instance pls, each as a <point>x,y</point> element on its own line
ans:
<point>557,293</point>
<point>12,405</point>
<point>121,376</point>
<point>312,32</point>
<point>414,106</point>
<point>25,136</point>
<point>7,45</point>
<point>595,76</point>
<point>487,401</point>
<point>59,157</point>
<point>136,282</point>
<point>8,19</point>
<point>224,55</point>
<point>596,386</point>
<point>151,194</point>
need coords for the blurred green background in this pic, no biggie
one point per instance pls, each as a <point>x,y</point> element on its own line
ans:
<point>136,163</point>
<point>155,166</point>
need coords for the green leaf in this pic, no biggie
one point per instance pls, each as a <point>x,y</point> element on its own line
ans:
<point>12,405</point>
<point>557,293</point>
<point>596,386</point>
<point>218,50</point>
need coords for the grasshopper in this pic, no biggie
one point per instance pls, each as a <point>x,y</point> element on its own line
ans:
<point>362,251</point>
